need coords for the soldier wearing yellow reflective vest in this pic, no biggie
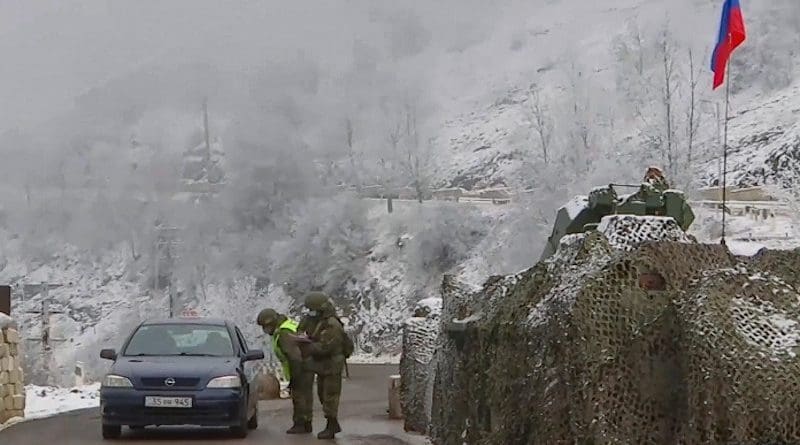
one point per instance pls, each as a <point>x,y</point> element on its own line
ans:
<point>286,345</point>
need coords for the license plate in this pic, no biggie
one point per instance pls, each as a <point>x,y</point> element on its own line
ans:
<point>168,402</point>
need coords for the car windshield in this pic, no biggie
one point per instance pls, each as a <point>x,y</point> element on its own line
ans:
<point>180,339</point>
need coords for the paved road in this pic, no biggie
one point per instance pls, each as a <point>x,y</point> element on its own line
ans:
<point>363,418</point>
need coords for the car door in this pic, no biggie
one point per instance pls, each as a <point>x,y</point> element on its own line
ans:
<point>250,370</point>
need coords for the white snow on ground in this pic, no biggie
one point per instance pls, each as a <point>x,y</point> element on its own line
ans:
<point>367,359</point>
<point>45,401</point>
<point>745,235</point>
<point>744,248</point>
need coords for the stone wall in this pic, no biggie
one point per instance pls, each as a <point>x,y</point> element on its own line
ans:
<point>12,390</point>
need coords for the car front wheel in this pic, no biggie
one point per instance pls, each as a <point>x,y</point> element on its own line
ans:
<point>240,431</point>
<point>253,422</point>
<point>112,431</point>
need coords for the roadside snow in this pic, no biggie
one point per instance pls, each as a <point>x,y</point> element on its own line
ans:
<point>743,248</point>
<point>368,359</point>
<point>745,235</point>
<point>46,401</point>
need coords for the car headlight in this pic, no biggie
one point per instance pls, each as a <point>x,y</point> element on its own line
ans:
<point>228,381</point>
<point>117,381</point>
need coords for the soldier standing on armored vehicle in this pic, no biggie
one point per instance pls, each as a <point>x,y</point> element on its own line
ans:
<point>329,349</point>
<point>653,197</point>
<point>655,177</point>
<point>287,346</point>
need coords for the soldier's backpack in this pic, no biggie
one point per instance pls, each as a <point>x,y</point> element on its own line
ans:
<point>348,347</point>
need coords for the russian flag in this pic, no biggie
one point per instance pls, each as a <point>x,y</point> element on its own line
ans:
<point>731,35</point>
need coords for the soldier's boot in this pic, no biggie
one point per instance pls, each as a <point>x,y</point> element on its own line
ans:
<point>330,430</point>
<point>300,428</point>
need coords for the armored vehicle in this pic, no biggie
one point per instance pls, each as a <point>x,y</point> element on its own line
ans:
<point>654,197</point>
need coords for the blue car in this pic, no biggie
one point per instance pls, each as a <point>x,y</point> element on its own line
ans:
<point>183,371</point>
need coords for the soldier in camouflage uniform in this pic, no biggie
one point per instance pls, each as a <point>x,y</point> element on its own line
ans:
<point>655,177</point>
<point>327,356</point>
<point>287,346</point>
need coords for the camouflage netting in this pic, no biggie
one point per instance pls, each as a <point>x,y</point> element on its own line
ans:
<point>622,339</point>
<point>419,344</point>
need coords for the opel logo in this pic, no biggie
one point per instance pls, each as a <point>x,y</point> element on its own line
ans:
<point>169,381</point>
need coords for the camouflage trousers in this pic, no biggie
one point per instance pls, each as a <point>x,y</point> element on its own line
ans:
<point>302,391</point>
<point>329,389</point>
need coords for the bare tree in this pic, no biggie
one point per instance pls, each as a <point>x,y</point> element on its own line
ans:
<point>693,116</point>
<point>351,154</point>
<point>581,120</point>
<point>415,152</point>
<point>540,121</point>
<point>394,136</point>
<point>630,51</point>
<point>668,89</point>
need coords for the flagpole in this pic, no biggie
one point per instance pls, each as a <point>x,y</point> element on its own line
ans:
<point>725,144</point>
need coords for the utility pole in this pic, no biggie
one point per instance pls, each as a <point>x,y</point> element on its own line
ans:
<point>44,338</point>
<point>166,240</point>
<point>207,155</point>
<point>157,257</point>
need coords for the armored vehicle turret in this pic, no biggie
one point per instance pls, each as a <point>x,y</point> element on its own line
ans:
<point>654,197</point>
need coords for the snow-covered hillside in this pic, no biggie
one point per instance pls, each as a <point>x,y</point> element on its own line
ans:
<point>567,50</point>
<point>764,141</point>
<point>99,300</point>
<point>598,97</point>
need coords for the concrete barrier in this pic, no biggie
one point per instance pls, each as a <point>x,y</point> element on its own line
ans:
<point>395,409</point>
<point>80,374</point>
<point>12,390</point>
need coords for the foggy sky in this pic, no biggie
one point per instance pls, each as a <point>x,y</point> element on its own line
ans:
<point>54,51</point>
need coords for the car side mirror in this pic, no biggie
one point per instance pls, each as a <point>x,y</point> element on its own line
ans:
<point>253,354</point>
<point>108,354</point>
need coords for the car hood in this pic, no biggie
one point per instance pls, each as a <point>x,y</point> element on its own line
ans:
<point>180,366</point>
